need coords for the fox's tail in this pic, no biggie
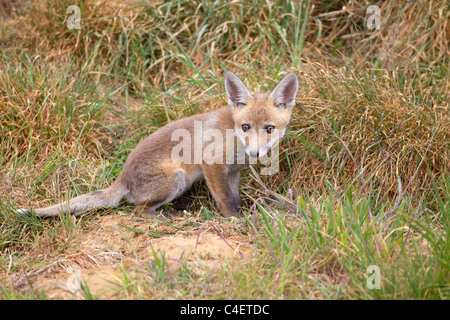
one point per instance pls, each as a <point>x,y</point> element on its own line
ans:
<point>109,197</point>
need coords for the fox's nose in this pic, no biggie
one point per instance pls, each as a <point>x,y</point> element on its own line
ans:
<point>254,154</point>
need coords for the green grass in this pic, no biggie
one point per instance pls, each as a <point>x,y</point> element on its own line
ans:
<point>363,175</point>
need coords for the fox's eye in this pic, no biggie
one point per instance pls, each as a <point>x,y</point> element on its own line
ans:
<point>245,127</point>
<point>270,129</point>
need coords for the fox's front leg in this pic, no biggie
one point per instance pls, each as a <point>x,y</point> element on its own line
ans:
<point>233,182</point>
<point>216,176</point>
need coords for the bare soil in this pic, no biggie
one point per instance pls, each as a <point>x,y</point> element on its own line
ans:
<point>116,242</point>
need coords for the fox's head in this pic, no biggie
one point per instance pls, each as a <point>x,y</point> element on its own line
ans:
<point>260,118</point>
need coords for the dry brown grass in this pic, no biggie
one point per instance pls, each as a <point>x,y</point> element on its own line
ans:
<point>371,130</point>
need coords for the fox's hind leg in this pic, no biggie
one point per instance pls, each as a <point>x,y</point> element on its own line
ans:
<point>146,208</point>
<point>157,190</point>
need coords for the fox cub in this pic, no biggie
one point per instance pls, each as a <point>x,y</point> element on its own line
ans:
<point>158,171</point>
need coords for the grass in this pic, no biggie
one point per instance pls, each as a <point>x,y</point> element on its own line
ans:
<point>363,177</point>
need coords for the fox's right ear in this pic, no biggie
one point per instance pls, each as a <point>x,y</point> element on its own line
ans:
<point>284,93</point>
<point>236,90</point>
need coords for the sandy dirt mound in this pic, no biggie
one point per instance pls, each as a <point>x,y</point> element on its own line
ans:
<point>112,243</point>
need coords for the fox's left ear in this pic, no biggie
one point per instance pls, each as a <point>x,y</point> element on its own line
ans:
<point>237,92</point>
<point>284,93</point>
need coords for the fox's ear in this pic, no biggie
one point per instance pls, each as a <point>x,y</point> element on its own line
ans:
<point>284,93</point>
<point>236,90</point>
